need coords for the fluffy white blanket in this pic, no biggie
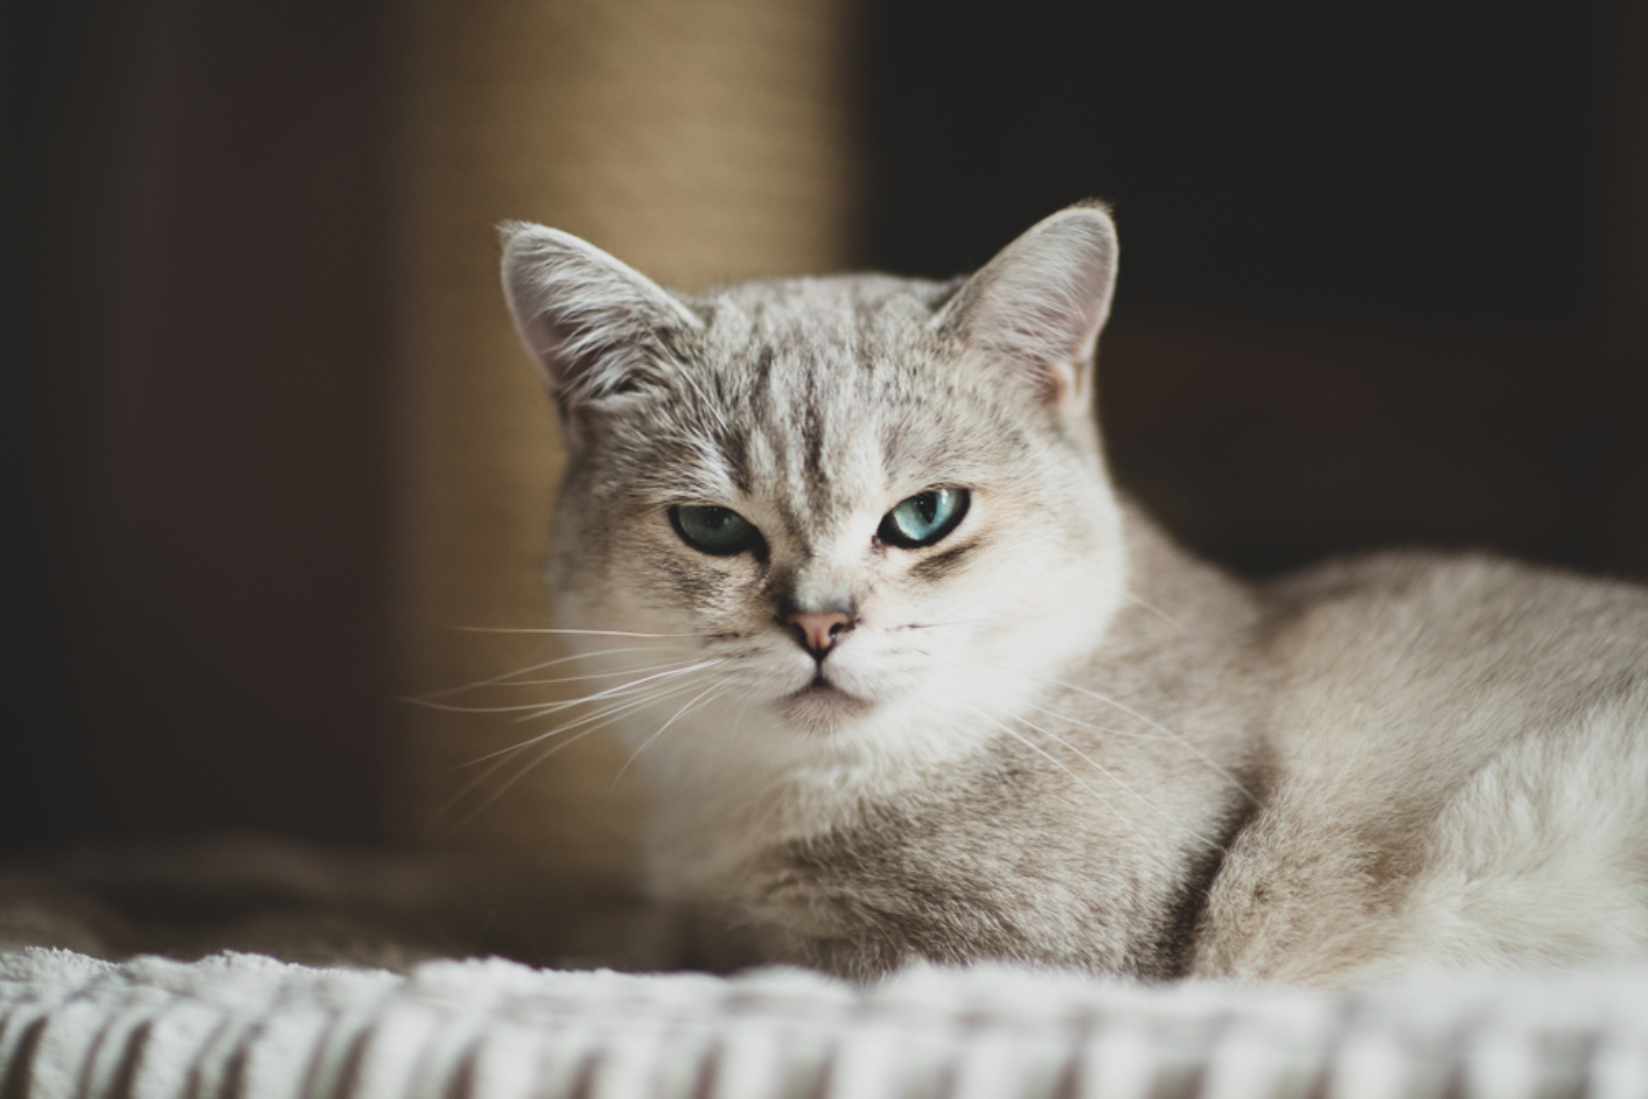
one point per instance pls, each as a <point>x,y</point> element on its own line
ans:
<point>245,1025</point>
<point>378,1010</point>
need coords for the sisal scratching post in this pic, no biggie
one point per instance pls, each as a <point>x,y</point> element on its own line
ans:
<point>698,140</point>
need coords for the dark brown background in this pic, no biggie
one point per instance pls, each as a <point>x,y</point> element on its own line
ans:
<point>1383,282</point>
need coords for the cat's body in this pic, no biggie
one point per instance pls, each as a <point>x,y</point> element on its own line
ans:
<point>910,679</point>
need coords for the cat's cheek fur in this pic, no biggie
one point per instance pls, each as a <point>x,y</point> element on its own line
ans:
<point>1016,613</point>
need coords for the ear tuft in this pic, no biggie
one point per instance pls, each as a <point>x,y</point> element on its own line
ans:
<point>595,326</point>
<point>1043,299</point>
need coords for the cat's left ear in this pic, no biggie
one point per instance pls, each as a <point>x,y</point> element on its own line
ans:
<point>1042,301</point>
<point>598,328</point>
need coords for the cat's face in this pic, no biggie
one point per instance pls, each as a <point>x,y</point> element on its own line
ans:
<point>850,506</point>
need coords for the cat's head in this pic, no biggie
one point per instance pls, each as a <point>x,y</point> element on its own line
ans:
<point>869,506</point>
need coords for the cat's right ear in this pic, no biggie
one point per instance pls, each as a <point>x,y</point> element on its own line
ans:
<point>1040,303</point>
<point>597,328</point>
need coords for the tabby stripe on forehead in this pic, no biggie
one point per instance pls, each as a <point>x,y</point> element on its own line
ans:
<point>786,503</point>
<point>760,390</point>
<point>864,343</point>
<point>763,369</point>
<point>812,434</point>
<point>818,472</point>
<point>735,446</point>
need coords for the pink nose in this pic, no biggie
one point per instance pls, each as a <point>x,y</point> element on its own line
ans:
<point>818,632</point>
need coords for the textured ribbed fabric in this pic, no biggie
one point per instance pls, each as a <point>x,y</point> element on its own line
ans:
<point>244,1025</point>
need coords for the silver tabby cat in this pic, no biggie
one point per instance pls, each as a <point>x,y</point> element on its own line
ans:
<point>911,679</point>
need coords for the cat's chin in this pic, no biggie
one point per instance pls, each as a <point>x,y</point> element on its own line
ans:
<point>821,708</point>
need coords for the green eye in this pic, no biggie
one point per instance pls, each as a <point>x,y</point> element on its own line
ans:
<point>924,518</point>
<point>719,531</point>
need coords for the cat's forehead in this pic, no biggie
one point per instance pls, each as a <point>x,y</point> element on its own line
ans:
<point>845,352</point>
<point>854,315</point>
<point>842,361</point>
<point>818,391</point>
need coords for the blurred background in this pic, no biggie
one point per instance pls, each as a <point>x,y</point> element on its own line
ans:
<point>270,445</point>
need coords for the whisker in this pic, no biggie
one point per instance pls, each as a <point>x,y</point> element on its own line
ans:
<point>623,689</point>
<point>623,707</point>
<point>573,633</point>
<point>1164,732</point>
<point>717,688</point>
<point>715,407</point>
<point>543,709</point>
<point>597,722</point>
<point>1125,788</point>
<point>504,788</point>
<point>1100,794</point>
<point>509,677</point>
<point>538,708</point>
<point>1126,709</point>
<point>1107,730</point>
<point>597,675</point>
<point>1153,609</point>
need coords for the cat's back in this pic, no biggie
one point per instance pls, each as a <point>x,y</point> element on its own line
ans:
<point>1450,738</point>
<point>1462,642</point>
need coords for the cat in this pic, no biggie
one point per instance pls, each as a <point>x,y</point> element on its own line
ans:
<point>910,679</point>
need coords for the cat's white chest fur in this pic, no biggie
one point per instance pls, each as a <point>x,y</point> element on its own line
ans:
<point>910,681</point>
